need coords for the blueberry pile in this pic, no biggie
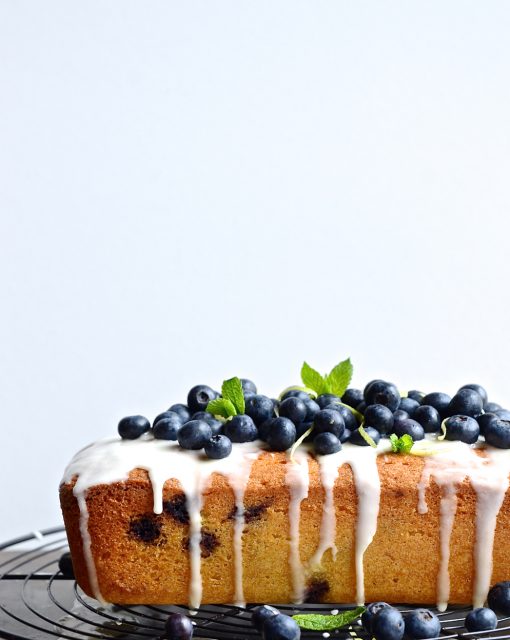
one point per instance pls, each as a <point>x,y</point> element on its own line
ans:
<point>327,420</point>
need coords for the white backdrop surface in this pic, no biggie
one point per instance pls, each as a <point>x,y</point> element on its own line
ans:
<point>195,190</point>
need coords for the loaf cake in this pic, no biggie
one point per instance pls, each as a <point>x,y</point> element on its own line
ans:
<point>151,522</point>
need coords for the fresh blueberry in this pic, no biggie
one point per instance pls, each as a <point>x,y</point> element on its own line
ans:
<point>167,414</point>
<point>261,614</point>
<point>301,428</point>
<point>358,439</point>
<point>326,443</point>
<point>294,409</point>
<point>194,434</point>
<point>167,428</point>
<point>216,425</point>
<point>200,396</point>
<point>484,419</point>
<point>348,416</point>
<point>439,401</point>
<point>490,407</point>
<point>329,421</point>
<point>281,434</point>
<point>312,408</point>
<point>481,619</point>
<point>479,390</point>
<point>218,447</point>
<point>421,624</point>
<point>415,395</point>
<point>428,417</point>
<point>259,408</point>
<point>182,410</point>
<point>499,598</point>
<point>178,627</point>
<point>132,427</point>
<point>379,417</point>
<point>368,385</point>
<point>326,398</point>
<point>388,624</point>
<point>504,414</point>
<point>65,564</point>
<point>264,429</point>
<point>346,436</point>
<point>248,386</point>
<point>411,427</point>
<point>466,402</point>
<point>408,405</point>
<point>385,393</point>
<point>370,611</point>
<point>280,627</point>
<point>361,407</point>
<point>241,429</point>
<point>463,428</point>
<point>295,393</point>
<point>353,397</point>
<point>497,433</point>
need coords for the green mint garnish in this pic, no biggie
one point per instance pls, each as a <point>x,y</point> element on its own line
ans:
<point>336,381</point>
<point>404,444</point>
<point>366,437</point>
<point>318,622</point>
<point>231,402</point>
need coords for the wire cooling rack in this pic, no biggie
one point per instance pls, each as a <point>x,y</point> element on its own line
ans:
<point>38,603</point>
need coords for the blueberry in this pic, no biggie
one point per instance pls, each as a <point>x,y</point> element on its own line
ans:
<point>167,428</point>
<point>385,393</point>
<point>295,393</point>
<point>481,619</point>
<point>411,427</point>
<point>421,624</point>
<point>361,407</point>
<point>132,427</point>
<point>379,417</point>
<point>466,402</point>
<point>294,409</point>
<point>194,434</point>
<point>182,410</point>
<point>65,564</point>
<point>497,433</point>
<point>329,421</point>
<point>484,419</point>
<point>479,390</point>
<point>353,397</point>
<point>408,405</point>
<point>370,611</point>
<point>312,408</point>
<point>326,443</point>
<point>301,428</point>
<point>358,439</point>
<point>259,408</point>
<point>203,415</point>
<point>388,624</point>
<point>200,396</point>
<point>172,415</point>
<point>261,614</point>
<point>241,429</point>
<point>499,598</point>
<point>399,415</point>
<point>503,414</point>
<point>348,416</point>
<point>346,436</point>
<point>428,417</point>
<point>178,627</point>
<point>280,627</point>
<point>463,428</point>
<point>489,407</point>
<point>326,398</point>
<point>281,434</point>
<point>439,401</point>
<point>248,386</point>
<point>218,447</point>
<point>415,395</point>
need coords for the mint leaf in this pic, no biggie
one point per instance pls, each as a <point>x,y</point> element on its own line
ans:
<point>221,407</point>
<point>233,390</point>
<point>339,378</point>
<point>404,444</point>
<point>318,622</point>
<point>312,379</point>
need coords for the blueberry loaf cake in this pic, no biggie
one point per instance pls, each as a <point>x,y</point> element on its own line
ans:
<point>326,495</point>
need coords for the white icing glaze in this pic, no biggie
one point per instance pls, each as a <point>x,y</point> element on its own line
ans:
<point>298,481</point>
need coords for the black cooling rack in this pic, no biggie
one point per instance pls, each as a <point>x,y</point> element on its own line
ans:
<point>38,603</point>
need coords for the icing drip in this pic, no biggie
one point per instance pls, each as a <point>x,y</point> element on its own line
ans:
<point>298,481</point>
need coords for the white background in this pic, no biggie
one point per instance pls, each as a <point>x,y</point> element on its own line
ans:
<point>195,190</point>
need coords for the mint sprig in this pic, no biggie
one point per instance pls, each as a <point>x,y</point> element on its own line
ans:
<point>336,381</point>
<point>404,444</point>
<point>231,402</point>
<point>319,622</point>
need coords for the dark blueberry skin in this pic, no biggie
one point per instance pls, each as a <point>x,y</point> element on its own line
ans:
<point>312,408</point>
<point>294,409</point>
<point>353,397</point>
<point>326,443</point>
<point>178,627</point>
<point>203,415</point>
<point>200,396</point>
<point>379,417</point>
<point>408,405</point>
<point>371,610</point>
<point>65,564</point>
<point>346,436</point>
<point>490,407</point>
<point>484,419</point>
<point>295,393</point>
<point>325,399</point>
<point>463,428</point>
<point>167,428</point>
<point>504,414</point>
<point>411,427</point>
<point>385,393</point>
<point>132,427</point>
<point>261,614</point>
<point>182,410</point>
<point>168,414</point>
<point>358,439</point>
<point>348,416</point>
<point>194,434</point>
<point>497,433</point>
<point>399,415</point>
<point>361,407</point>
<point>439,401</point>
<point>388,624</point>
<point>281,434</point>
<point>499,598</point>
<point>259,408</point>
<point>415,395</point>
<point>479,390</point>
<point>466,402</point>
<point>301,428</point>
<point>481,619</point>
<point>280,627</point>
<point>421,624</point>
<point>329,421</point>
<point>248,386</point>
<point>218,447</point>
<point>241,429</point>
<point>428,417</point>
